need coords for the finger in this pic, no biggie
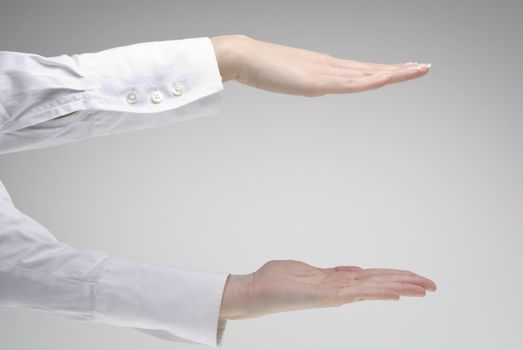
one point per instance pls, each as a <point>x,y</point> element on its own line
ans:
<point>393,66</point>
<point>418,280</point>
<point>406,289</point>
<point>351,72</point>
<point>370,83</point>
<point>340,85</point>
<point>350,294</point>
<point>380,271</point>
<point>346,72</point>
<point>346,63</point>
<point>409,72</point>
<point>384,70</point>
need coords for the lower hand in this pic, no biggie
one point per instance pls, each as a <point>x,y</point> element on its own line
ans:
<point>285,285</point>
<point>289,70</point>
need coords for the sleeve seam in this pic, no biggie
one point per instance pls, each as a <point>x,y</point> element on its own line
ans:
<point>94,311</point>
<point>89,309</point>
<point>85,86</point>
<point>68,279</point>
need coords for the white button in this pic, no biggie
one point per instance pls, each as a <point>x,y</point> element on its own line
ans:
<point>132,97</point>
<point>177,89</point>
<point>157,96</point>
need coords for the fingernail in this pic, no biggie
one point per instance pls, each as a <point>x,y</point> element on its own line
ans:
<point>414,67</point>
<point>423,66</point>
<point>384,76</point>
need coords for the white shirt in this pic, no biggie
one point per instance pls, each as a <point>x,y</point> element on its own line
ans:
<point>112,91</point>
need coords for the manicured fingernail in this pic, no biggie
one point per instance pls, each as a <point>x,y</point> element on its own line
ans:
<point>414,67</point>
<point>423,66</point>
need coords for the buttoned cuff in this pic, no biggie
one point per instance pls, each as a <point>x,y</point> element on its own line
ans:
<point>150,77</point>
<point>165,301</point>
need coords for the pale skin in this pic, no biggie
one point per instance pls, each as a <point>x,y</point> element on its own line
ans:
<point>286,285</point>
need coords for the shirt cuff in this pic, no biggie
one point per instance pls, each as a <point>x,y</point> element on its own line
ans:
<point>150,77</point>
<point>170,301</point>
<point>222,324</point>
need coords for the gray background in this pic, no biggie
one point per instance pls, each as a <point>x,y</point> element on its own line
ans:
<point>425,175</point>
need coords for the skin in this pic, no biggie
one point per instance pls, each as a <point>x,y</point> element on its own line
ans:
<point>294,71</point>
<point>286,285</point>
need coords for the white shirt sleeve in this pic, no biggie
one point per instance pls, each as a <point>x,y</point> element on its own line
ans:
<point>40,273</point>
<point>112,91</point>
<point>117,90</point>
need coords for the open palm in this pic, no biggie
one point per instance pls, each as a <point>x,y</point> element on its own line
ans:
<point>285,285</point>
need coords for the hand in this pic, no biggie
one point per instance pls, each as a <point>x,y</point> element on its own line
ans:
<point>289,70</point>
<point>285,285</point>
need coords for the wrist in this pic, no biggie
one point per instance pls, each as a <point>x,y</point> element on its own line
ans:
<point>228,54</point>
<point>236,296</point>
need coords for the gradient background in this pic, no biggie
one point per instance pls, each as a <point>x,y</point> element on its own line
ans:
<point>425,175</point>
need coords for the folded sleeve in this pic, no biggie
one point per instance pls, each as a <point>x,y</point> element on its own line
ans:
<point>117,90</point>
<point>40,273</point>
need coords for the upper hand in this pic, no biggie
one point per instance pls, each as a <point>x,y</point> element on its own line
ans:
<point>289,70</point>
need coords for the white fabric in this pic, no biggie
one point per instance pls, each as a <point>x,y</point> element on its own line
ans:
<point>41,273</point>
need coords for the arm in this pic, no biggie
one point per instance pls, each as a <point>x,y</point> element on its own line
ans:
<point>50,101</point>
<point>286,285</point>
<point>122,89</point>
<point>295,71</point>
<point>96,91</point>
<point>41,273</point>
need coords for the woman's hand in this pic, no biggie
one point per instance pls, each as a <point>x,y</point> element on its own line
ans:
<point>285,285</point>
<point>289,70</point>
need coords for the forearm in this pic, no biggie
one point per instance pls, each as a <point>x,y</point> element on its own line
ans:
<point>41,273</point>
<point>228,49</point>
<point>236,295</point>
